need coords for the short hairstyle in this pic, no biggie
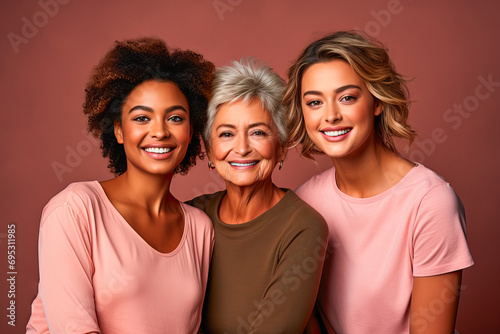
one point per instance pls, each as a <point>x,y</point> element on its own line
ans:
<point>130,63</point>
<point>370,60</point>
<point>246,80</point>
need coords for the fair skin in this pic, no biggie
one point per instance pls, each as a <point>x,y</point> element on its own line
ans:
<point>245,149</point>
<point>339,114</point>
<point>155,132</point>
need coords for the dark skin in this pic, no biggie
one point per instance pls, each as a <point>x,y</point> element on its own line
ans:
<point>161,228</point>
<point>155,116</point>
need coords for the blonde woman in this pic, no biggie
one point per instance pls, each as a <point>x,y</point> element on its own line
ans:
<point>397,228</point>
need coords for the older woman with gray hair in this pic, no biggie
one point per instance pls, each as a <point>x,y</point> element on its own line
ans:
<point>269,244</point>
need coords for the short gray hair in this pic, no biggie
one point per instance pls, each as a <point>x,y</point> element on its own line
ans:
<point>245,80</point>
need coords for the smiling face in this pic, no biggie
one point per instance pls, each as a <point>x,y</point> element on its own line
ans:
<point>155,129</point>
<point>339,111</point>
<point>244,143</point>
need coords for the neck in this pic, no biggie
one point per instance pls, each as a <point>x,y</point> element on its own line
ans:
<point>370,172</point>
<point>149,191</point>
<point>242,204</point>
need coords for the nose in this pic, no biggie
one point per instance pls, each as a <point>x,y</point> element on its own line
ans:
<point>242,146</point>
<point>332,113</point>
<point>158,129</point>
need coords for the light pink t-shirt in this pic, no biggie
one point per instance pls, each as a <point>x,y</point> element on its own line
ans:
<point>98,275</point>
<point>378,244</point>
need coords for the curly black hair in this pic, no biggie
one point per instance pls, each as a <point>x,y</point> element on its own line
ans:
<point>128,64</point>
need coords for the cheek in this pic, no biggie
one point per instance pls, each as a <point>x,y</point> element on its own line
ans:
<point>310,121</point>
<point>268,149</point>
<point>219,149</point>
<point>183,134</point>
<point>273,152</point>
<point>362,117</point>
<point>128,133</point>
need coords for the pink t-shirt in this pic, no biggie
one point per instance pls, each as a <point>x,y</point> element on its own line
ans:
<point>98,275</point>
<point>378,244</point>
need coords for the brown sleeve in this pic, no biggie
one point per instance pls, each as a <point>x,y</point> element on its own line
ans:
<point>291,294</point>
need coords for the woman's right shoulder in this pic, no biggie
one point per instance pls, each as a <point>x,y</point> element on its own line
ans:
<point>321,181</point>
<point>207,201</point>
<point>77,196</point>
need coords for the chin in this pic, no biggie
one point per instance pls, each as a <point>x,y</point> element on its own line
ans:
<point>241,182</point>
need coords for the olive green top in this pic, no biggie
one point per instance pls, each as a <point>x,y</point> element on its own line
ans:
<point>265,273</point>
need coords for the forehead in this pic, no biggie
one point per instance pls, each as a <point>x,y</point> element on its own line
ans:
<point>329,75</point>
<point>156,92</point>
<point>240,112</point>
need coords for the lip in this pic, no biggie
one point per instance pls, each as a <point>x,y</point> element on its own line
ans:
<point>162,151</point>
<point>243,164</point>
<point>335,134</point>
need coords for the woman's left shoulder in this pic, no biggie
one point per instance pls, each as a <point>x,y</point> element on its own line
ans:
<point>421,173</point>
<point>424,181</point>
<point>196,216</point>
<point>433,193</point>
<point>305,216</point>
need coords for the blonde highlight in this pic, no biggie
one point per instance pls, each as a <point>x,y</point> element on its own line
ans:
<point>370,60</point>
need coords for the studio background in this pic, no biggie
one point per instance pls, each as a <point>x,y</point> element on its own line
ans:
<point>450,50</point>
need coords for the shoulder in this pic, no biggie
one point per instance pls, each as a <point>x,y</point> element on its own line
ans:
<point>208,203</point>
<point>302,216</point>
<point>431,185</point>
<point>196,216</point>
<point>77,191</point>
<point>437,204</point>
<point>319,181</point>
<point>424,177</point>
<point>199,226</point>
<point>76,199</point>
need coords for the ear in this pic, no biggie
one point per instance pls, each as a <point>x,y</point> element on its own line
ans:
<point>377,107</point>
<point>190,133</point>
<point>118,132</point>
<point>209,154</point>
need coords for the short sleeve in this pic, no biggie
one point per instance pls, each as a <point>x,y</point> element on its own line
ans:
<point>439,240</point>
<point>66,269</point>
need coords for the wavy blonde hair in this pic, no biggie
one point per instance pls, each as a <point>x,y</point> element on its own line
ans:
<point>370,60</point>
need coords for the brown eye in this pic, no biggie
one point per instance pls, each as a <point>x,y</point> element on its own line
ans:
<point>225,135</point>
<point>141,119</point>
<point>259,133</point>
<point>348,98</point>
<point>175,119</point>
<point>313,103</point>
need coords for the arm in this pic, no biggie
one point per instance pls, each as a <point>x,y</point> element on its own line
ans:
<point>440,254</point>
<point>291,294</point>
<point>66,270</point>
<point>434,303</point>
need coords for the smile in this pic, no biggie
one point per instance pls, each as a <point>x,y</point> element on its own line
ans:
<point>239,164</point>
<point>336,133</point>
<point>158,150</point>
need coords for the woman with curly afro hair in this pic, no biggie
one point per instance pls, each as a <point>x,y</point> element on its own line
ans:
<point>123,255</point>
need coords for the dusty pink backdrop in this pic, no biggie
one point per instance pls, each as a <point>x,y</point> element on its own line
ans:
<point>450,49</point>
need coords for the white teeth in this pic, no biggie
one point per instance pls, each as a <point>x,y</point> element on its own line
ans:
<point>237,164</point>
<point>158,150</point>
<point>336,133</point>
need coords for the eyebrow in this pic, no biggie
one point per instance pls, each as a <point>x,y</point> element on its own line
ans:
<point>253,125</point>
<point>149,109</point>
<point>338,90</point>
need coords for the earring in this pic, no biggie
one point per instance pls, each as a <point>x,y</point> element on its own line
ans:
<point>280,165</point>
<point>211,166</point>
